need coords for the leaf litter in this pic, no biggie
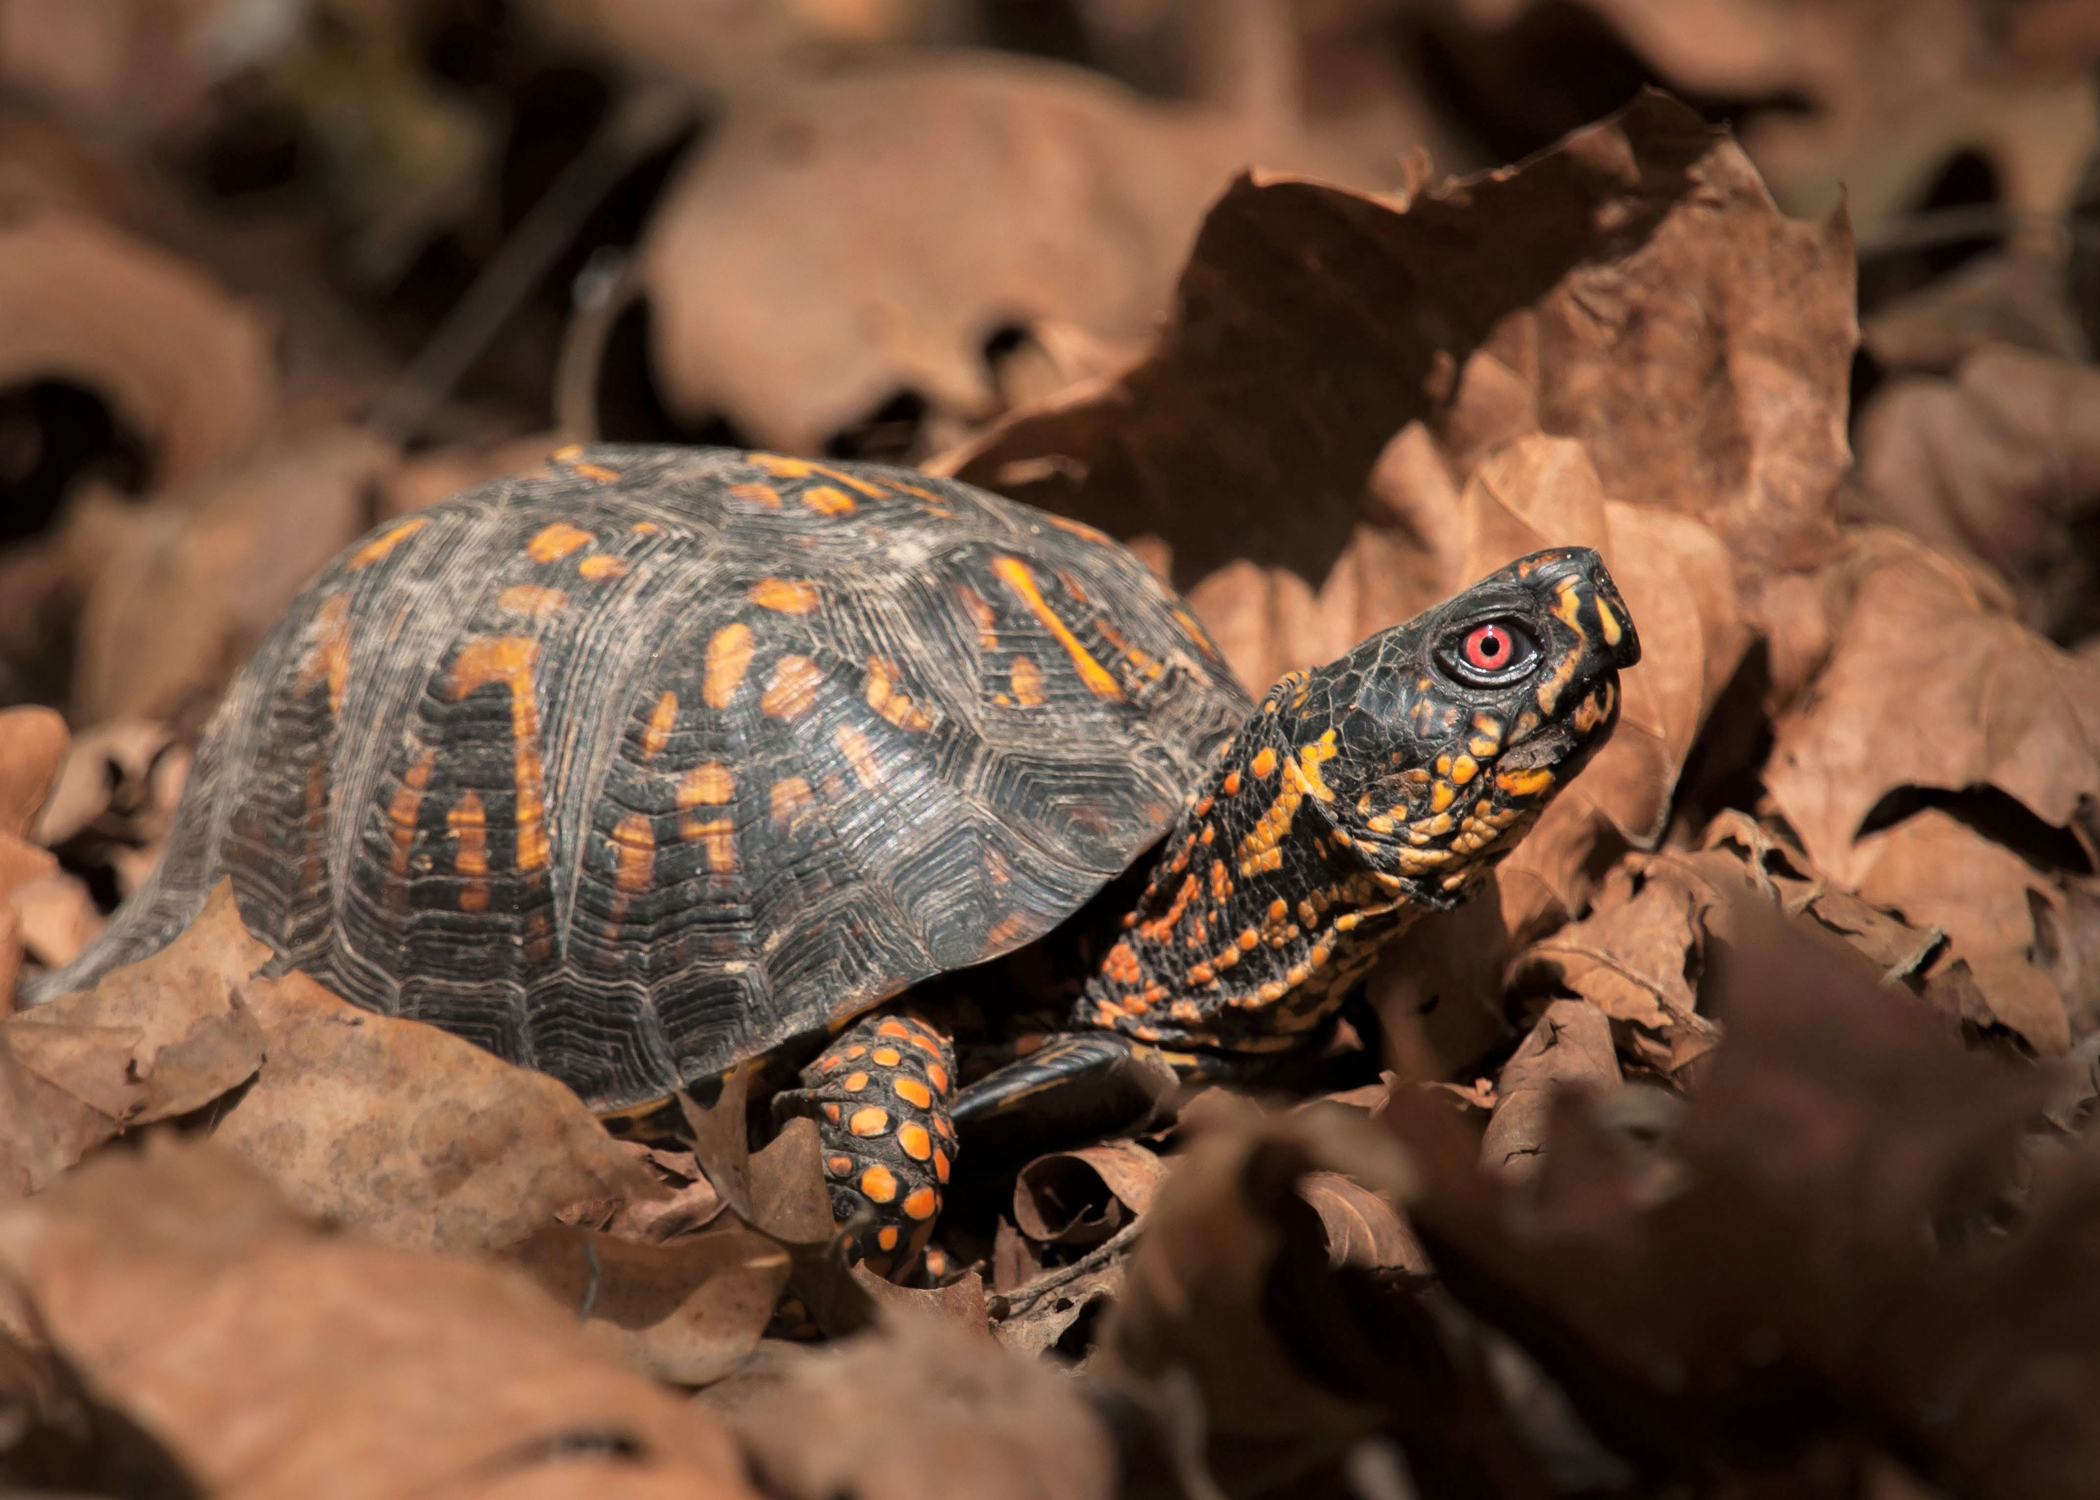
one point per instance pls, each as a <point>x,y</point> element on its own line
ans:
<point>1735,1142</point>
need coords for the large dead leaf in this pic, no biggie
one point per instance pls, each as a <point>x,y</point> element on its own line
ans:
<point>1314,325</point>
<point>920,1407</point>
<point>1236,1319</point>
<point>684,1310</point>
<point>187,366</point>
<point>271,1359</point>
<point>152,1041</point>
<point>932,204</point>
<point>409,1133</point>
<point>1778,1303</point>
<point>1878,94</point>
<point>1929,687</point>
<point>1568,1047</point>
<point>1995,464</point>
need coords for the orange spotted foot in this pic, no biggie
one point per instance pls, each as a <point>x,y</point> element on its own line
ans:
<point>879,1095</point>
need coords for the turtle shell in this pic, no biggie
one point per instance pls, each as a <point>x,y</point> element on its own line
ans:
<point>661,759</point>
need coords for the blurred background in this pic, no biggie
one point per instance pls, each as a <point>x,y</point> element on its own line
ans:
<point>272,271</point>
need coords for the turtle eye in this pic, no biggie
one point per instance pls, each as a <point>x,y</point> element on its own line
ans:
<point>1490,653</point>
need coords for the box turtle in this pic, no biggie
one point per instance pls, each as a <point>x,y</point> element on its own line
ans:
<point>662,760</point>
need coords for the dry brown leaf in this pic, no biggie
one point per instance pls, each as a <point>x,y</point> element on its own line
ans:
<point>33,745</point>
<point>743,45</point>
<point>409,1133</point>
<point>1362,1227</point>
<point>1315,325</point>
<point>187,366</point>
<point>1879,93</point>
<point>2017,299</point>
<point>55,918</point>
<point>1928,687</point>
<point>919,1409</point>
<point>175,612</point>
<point>1569,1047</point>
<point>1994,465</point>
<point>934,203</point>
<point>1079,1198</point>
<point>271,1359</point>
<point>684,1310</point>
<point>153,1041</point>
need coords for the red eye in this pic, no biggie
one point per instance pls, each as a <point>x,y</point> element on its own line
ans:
<point>1488,648</point>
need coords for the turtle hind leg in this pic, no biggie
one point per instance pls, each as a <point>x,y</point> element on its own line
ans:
<point>880,1095</point>
<point>1077,1085</point>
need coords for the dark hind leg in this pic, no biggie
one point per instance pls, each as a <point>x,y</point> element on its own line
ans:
<point>880,1094</point>
<point>1075,1086</point>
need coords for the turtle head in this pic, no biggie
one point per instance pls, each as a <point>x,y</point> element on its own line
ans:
<point>1452,732</point>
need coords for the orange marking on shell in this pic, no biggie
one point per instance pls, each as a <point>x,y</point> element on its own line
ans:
<point>927,1044</point>
<point>791,799</point>
<point>855,1082</point>
<point>869,1121</point>
<point>634,854</point>
<point>662,720</point>
<point>940,1164</point>
<point>709,784</point>
<point>1081,529</point>
<point>913,1092</point>
<point>786,595</point>
<point>1005,931</point>
<point>1278,909</point>
<point>510,660</point>
<point>888,1057</point>
<point>917,1144</point>
<point>856,1051</point>
<point>887,1236</point>
<point>838,1166</point>
<point>756,494</point>
<point>981,614</point>
<point>1027,681</point>
<point>401,810</point>
<point>828,500</point>
<point>599,568</point>
<point>718,841</point>
<point>884,698</point>
<point>1016,576</point>
<point>923,1204</point>
<point>384,543</point>
<point>854,746</point>
<point>329,661</point>
<point>1231,786</point>
<point>598,472</point>
<point>1263,764</point>
<point>531,600</point>
<point>879,1183</point>
<point>1248,939</point>
<point>938,1077</point>
<point>793,688</point>
<point>553,543</point>
<point>728,658</point>
<point>831,1113</point>
<point>469,824</point>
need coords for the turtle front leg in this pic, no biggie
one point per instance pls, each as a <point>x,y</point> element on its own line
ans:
<point>879,1094</point>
